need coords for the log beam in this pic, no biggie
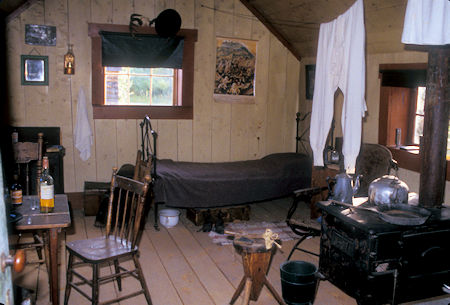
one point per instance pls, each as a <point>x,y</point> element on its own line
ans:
<point>435,129</point>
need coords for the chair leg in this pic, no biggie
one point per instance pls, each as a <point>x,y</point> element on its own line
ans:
<point>118,279</point>
<point>155,206</point>
<point>142,279</point>
<point>95,292</point>
<point>38,240</point>
<point>46,251</point>
<point>68,279</point>
<point>296,246</point>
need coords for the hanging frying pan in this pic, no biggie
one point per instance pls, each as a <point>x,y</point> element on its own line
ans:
<point>398,214</point>
<point>168,23</point>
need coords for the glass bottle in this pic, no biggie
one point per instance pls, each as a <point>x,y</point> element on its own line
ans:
<point>14,136</point>
<point>16,192</point>
<point>46,189</point>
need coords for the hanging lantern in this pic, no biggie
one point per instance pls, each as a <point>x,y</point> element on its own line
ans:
<point>69,61</point>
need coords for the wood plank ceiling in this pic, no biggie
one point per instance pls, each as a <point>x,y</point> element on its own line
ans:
<point>296,22</point>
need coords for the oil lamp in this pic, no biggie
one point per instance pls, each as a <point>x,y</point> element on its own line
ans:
<point>69,61</point>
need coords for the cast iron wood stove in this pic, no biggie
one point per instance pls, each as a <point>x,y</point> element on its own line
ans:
<point>377,263</point>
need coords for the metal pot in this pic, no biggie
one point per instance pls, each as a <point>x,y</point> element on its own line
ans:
<point>388,190</point>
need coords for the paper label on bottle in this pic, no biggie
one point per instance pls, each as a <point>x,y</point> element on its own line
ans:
<point>16,197</point>
<point>47,192</point>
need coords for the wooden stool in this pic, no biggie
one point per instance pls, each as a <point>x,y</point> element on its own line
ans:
<point>256,259</point>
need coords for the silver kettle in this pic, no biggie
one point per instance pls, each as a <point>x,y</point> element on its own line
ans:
<point>388,190</point>
<point>341,188</point>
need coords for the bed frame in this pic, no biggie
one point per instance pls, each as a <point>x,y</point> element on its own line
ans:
<point>220,184</point>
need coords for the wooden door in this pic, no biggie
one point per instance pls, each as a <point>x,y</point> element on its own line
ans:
<point>395,108</point>
<point>6,291</point>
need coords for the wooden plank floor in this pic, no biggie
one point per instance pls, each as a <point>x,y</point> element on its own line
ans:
<point>183,266</point>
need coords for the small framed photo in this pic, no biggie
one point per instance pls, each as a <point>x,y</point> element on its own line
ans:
<point>40,35</point>
<point>34,70</point>
<point>310,75</point>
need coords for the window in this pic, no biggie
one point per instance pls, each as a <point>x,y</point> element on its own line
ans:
<point>419,112</point>
<point>419,116</point>
<point>402,101</point>
<point>125,89</point>
<point>141,86</point>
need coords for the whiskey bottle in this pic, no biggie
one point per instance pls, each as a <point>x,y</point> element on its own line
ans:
<point>16,192</point>
<point>46,189</point>
<point>14,137</point>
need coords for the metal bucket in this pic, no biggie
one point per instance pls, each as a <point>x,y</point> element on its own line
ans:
<point>298,282</point>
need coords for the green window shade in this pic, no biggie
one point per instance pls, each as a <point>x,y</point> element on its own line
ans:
<point>142,51</point>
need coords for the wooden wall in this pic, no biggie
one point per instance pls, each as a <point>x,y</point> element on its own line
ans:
<point>218,132</point>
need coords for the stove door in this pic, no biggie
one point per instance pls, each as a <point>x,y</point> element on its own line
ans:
<point>425,263</point>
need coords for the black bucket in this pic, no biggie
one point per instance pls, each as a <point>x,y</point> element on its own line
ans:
<point>298,282</point>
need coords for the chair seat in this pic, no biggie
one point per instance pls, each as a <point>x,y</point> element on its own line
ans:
<point>304,226</point>
<point>95,250</point>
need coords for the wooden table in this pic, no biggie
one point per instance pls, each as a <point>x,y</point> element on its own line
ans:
<point>52,223</point>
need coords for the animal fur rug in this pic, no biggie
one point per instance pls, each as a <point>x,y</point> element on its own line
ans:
<point>253,228</point>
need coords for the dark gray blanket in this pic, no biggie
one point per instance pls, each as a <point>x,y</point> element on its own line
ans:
<point>201,185</point>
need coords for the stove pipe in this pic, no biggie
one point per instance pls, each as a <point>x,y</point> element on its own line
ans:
<point>435,129</point>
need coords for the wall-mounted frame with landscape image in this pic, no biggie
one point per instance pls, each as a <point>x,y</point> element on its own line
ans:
<point>235,70</point>
<point>40,35</point>
<point>34,70</point>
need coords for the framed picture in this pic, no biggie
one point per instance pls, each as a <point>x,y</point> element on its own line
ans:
<point>40,35</point>
<point>235,70</point>
<point>310,75</point>
<point>34,70</point>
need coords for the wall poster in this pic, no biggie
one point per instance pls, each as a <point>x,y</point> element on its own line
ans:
<point>235,70</point>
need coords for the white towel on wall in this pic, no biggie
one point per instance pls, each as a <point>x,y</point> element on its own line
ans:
<point>427,22</point>
<point>83,132</point>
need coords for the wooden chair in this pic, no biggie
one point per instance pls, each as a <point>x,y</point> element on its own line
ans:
<point>142,168</point>
<point>119,244</point>
<point>373,161</point>
<point>24,153</point>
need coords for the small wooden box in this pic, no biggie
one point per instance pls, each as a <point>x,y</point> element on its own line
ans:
<point>93,195</point>
<point>91,202</point>
<point>198,216</point>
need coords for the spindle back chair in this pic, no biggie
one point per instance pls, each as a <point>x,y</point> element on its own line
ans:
<point>142,167</point>
<point>120,241</point>
<point>24,153</point>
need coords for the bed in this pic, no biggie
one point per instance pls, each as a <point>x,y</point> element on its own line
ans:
<point>207,185</point>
